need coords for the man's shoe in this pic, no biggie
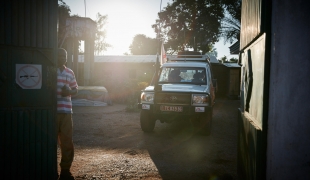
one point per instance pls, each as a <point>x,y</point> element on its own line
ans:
<point>66,175</point>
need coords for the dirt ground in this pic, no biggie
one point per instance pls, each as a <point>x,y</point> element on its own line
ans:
<point>109,144</point>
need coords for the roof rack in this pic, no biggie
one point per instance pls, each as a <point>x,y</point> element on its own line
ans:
<point>189,56</point>
<point>200,58</point>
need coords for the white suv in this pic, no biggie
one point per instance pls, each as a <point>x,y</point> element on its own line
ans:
<point>182,90</point>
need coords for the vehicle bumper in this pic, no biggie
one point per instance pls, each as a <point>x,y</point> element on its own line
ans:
<point>187,111</point>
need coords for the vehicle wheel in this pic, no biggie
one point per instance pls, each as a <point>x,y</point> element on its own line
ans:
<point>206,124</point>
<point>147,123</point>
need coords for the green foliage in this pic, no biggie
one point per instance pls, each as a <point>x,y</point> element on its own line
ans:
<point>231,23</point>
<point>123,91</point>
<point>142,45</point>
<point>233,60</point>
<point>142,85</point>
<point>233,7</point>
<point>224,59</point>
<point>134,88</point>
<point>63,14</point>
<point>147,77</point>
<point>100,36</point>
<point>212,52</point>
<point>230,29</point>
<point>100,43</point>
<point>190,24</point>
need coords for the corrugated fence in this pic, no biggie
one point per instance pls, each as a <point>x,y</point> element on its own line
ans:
<point>28,38</point>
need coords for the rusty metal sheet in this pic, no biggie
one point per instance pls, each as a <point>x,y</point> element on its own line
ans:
<point>251,21</point>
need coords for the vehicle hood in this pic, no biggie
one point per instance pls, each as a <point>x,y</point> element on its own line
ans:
<point>181,88</point>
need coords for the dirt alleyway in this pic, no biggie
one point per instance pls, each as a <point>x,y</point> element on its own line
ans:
<point>109,144</point>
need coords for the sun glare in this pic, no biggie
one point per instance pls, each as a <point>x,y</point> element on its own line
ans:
<point>125,19</point>
<point>123,24</point>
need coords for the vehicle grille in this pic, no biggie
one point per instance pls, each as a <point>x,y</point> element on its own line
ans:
<point>173,98</point>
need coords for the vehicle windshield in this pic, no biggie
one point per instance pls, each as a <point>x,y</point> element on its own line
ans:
<point>186,75</point>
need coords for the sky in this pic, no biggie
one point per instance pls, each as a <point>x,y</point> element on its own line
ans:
<point>127,18</point>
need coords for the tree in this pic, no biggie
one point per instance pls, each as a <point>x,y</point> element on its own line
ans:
<point>223,59</point>
<point>230,28</point>
<point>142,45</point>
<point>233,60</point>
<point>190,24</point>
<point>212,52</point>
<point>100,43</point>
<point>233,7</point>
<point>63,14</point>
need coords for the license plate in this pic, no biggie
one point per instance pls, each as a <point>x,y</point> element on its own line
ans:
<point>172,108</point>
<point>146,106</point>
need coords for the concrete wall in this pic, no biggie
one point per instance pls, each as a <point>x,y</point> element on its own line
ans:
<point>119,78</point>
<point>288,144</point>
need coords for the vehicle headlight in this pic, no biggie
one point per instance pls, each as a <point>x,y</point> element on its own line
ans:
<point>147,97</point>
<point>200,99</point>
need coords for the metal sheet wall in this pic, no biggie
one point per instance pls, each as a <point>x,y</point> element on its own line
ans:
<point>233,83</point>
<point>250,157</point>
<point>252,21</point>
<point>252,119</point>
<point>29,144</point>
<point>220,73</point>
<point>255,59</point>
<point>28,35</point>
<point>28,23</point>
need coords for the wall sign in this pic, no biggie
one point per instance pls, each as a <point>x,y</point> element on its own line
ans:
<point>29,76</point>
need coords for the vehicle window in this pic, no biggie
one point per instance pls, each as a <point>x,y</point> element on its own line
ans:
<point>189,75</point>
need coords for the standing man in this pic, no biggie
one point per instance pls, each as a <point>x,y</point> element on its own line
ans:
<point>66,86</point>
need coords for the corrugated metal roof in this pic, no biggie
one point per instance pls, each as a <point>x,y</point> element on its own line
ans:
<point>234,49</point>
<point>232,65</point>
<point>128,59</point>
<point>252,21</point>
<point>134,58</point>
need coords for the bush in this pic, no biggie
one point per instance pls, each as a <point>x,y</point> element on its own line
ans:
<point>134,88</point>
<point>123,90</point>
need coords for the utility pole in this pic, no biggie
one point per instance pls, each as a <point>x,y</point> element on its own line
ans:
<point>157,64</point>
<point>85,7</point>
<point>159,47</point>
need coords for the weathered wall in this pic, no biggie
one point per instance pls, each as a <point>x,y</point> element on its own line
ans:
<point>254,56</point>
<point>120,78</point>
<point>251,131</point>
<point>288,150</point>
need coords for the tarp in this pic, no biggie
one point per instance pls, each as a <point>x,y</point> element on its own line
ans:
<point>91,96</point>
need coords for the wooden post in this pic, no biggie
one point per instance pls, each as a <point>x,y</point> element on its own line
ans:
<point>76,58</point>
<point>69,52</point>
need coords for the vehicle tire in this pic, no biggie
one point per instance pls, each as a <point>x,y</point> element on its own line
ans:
<point>147,123</point>
<point>206,123</point>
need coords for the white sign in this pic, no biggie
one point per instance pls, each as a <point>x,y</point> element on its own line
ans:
<point>146,106</point>
<point>29,76</point>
